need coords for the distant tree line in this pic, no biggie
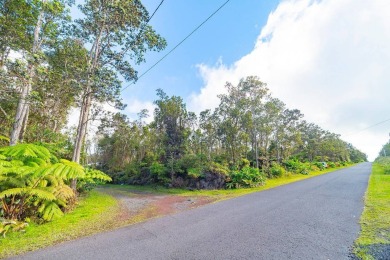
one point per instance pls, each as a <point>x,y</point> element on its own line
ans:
<point>249,133</point>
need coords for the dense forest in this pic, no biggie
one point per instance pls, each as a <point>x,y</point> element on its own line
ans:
<point>50,64</point>
<point>249,136</point>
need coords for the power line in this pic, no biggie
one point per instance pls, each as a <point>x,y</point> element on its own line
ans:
<point>162,1</point>
<point>371,126</point>
<point>177,45</point>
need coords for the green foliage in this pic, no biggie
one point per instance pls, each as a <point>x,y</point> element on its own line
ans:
<point>159,171</point>
<point>247,177</point>
<point>319,165</point>
<point>384,163</point>
<point>35,184</point>
<point>92,178</point>
<point>217,168</point>
<point>11,226</point>
<point>276,170</point>
<point>375,219</point>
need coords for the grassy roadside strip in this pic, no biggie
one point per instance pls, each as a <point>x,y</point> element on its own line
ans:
<point>374,239</point>
<point>228,193</point>
<point>99,211</point>
<point>96,212</point>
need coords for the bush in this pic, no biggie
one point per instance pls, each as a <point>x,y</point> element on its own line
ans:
<point>247,177</point>
<point>11,225</point>
<point>292,165</point>
<point>34,183</point>
<point>331,165</point>
<point>276,170</point>
<point>319,165</point>
<point>217,168</point>
<point>297,167</point>
<point>159,172</point>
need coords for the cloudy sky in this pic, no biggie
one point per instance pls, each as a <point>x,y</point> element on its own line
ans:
<point>329,58</point>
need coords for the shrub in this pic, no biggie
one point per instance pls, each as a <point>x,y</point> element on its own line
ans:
<point>276,170</point>
<point>247,177</point>
<point>319,165</point>
<point>195,173</point>
<point>159,172</point>
<point>34,183</point>
<point>292,165</point>
<point>217,168</point>
<point>331,165</point>
<point>297,167</point>
<point>11,225</point>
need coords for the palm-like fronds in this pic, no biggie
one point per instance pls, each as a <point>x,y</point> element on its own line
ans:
<point>32,180</point>
<point>96,175</point>
<point>23,151</point>
<point>28,192</point>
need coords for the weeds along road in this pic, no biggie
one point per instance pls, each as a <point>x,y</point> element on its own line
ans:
<point>312,219</point>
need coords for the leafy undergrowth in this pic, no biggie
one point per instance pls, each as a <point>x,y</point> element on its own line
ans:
<point>99,211</point>
<point>95,213</point>
<point>218,195</point>
<point>374,239</point>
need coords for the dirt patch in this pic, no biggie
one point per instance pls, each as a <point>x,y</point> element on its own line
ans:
<point>139,206</point>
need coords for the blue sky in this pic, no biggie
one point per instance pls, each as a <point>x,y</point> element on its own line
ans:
<point>228,35</point>
<point>328,58</point>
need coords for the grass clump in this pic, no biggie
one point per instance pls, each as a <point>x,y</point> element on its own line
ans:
<point>95,212</point>
<point>374,238</point>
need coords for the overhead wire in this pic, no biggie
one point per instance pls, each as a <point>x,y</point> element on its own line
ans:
<point>180,43</point>
<point>371,126</point>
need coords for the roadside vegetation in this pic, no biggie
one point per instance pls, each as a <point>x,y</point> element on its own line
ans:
<point>50,64</point>
<point>95,212</point>
<point>99,211</point>
<point>374,239</point>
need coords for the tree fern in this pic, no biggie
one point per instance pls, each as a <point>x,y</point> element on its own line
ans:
<point>49,211</point>
<point>23,151</point>
<point>33,180</point>
<point>94,174</point>
<point>40,194</point>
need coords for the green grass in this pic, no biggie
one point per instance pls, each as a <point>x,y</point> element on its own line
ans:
<point>375,220</point>
<point>96,212</point>
<point>222,194</point>
<point>99,211</point>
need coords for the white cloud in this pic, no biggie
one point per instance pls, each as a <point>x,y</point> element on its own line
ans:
<point>330,59</point>
<point>135,106</point>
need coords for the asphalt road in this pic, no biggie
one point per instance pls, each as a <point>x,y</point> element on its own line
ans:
<point>312,219</point>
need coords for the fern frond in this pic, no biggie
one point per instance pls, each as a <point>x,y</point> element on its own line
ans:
<point>35,162</point>
<point>23,151</point>
<point>17,163</point>
<point>53,180</point>
<point>17,170</point>
<point>67,170</point>
<point>50,211</point>
<point>63,192</point>
<point>41,194</point>
<point>97,175</point>
<point>8,182</point>
<point>2,157</point>
<point>5,163</point>
<point>4,138</point>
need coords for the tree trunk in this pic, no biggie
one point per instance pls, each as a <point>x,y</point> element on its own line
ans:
<point>86,106</point>
<point>23,105</point>
<point>24,125</point>
<point>256,152</point>
<point>81,131</point>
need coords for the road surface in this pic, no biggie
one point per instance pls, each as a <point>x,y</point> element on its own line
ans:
<point>312,219</point>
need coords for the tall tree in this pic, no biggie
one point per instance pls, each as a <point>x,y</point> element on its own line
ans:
<point>173,123</point>
<point>48,15</point>
<point>117,32</point>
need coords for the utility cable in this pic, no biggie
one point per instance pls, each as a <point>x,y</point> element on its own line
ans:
<point>177,45</point>
<point>371,126</point>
